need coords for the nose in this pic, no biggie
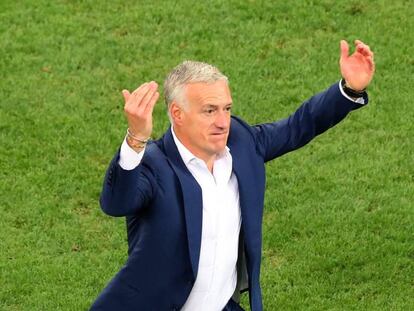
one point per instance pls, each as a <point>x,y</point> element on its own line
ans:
<point>222,119</point>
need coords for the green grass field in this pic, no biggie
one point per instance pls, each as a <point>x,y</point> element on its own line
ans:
<point>339,218</point>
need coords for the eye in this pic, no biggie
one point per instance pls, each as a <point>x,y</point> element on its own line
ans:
<point>209,111</point>
<point>228,108</point>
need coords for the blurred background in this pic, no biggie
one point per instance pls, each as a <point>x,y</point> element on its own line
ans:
<point>339,219</point>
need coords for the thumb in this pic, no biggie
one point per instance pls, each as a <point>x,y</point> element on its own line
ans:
<point>344,49</point>
<point>126,95</point>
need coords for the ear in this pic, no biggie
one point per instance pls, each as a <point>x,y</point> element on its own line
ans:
<point>176,113</point>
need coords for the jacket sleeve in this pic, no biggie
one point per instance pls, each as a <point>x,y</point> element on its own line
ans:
<point>126,192</point>
<point>313,117</point>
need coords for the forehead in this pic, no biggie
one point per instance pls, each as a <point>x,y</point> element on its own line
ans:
<point>216,93</point>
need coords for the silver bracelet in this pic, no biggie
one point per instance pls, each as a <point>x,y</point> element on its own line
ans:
<point>136,138</point>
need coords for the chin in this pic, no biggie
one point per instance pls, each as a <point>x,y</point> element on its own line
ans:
<point>219,148</point>
<point>218,145</point>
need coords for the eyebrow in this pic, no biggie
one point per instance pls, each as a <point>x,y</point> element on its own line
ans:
<point>215,105</point>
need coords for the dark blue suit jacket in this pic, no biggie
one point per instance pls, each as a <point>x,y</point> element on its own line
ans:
<point>163,206</point>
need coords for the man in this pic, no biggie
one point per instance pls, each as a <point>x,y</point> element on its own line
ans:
<point>193,200</point>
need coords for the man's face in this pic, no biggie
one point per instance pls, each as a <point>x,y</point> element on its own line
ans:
<point>203,125</point>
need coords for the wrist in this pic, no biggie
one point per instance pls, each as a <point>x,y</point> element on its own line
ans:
<point>348,90</point>
<point>136,137</point>
<point>136,143</point>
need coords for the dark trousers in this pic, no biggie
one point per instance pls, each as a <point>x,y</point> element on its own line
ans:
<point>232,306</point>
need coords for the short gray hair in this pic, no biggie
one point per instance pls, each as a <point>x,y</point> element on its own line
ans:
<point>188,72</point>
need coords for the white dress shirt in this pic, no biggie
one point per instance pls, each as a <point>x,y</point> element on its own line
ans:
<point>217,275</point>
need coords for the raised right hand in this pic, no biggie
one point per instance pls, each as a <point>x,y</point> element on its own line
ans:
<point>138,109</point>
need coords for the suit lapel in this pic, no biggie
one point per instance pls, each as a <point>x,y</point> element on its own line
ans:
<point>240,169</point>
<point>193,202</point>
<point>251,186</point>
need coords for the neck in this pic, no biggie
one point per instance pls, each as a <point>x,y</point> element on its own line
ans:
<point>210,163</point>
<point>207,158</point>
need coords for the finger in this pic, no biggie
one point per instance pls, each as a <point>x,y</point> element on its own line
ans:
<point>138,95</point>
<point>370,56</point>
<point>364,50</point>
<point>356,42</point>
<point>126,95</point>
<point>152,102</point>
<point>344,49</point>
<point>146,99</point>
<point>359,43</point>
<point>371,64</point>
<point>361,47</point>
<point>138,89</point>
<point>369,51</point>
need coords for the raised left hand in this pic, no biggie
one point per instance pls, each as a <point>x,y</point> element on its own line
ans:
<point>357,69</point>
